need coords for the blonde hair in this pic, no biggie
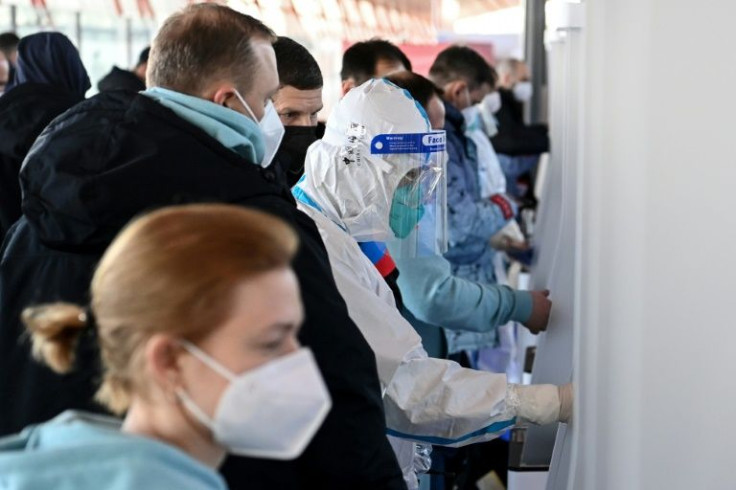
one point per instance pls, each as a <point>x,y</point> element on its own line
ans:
<point>171,271</point>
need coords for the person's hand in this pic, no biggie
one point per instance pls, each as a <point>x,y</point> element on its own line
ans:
<point>540,404</point>
<point>566,399</point>
<point>517,247</point>
<point>540,311</point>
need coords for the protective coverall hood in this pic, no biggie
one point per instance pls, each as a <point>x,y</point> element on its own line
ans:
<point>353,187</point>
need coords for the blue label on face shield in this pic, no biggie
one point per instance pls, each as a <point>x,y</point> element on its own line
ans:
<point>408,143</point>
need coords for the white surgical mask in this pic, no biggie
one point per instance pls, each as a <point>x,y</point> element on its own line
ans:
<point>492,102</point>
<point>523,91</point>
<point>272,411</point>
<point>490,105</point>
<point>271,127</point>
<point>471,117</point>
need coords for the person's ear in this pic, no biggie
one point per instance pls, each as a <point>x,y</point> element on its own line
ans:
<point>347,85</point>
<point>162,362</point>
<point>459,89</point>
<point>454,92</point>
<point>223,95</point>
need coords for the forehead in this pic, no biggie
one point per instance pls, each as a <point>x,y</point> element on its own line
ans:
<point>296,100</point>
<point>261,301</point>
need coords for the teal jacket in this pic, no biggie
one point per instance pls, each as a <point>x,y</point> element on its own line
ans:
<point>435,295</point>
<point>79,451</point>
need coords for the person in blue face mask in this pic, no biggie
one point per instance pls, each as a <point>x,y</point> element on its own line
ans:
<point>465,78</point>
<point>205,131</point>
<point>200,364</point>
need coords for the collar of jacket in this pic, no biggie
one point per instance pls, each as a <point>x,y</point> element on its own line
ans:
<point>454,118</point>
<point>232,129</point>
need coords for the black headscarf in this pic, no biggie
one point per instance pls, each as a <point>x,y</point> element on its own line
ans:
<point>50,58</point>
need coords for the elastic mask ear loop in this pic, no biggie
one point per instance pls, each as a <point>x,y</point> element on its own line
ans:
<point>247,107</point>
<point>205,358</point>
<point>194,409</point>
<point>208,360</point>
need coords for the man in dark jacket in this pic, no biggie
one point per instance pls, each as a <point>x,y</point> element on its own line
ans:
<point>119,154</point>
<point>517,143</point>
<point>49,79</point>
<point>131,80</point>
<point>514,136</point>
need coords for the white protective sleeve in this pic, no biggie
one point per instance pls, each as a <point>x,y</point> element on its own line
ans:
<point>426,399</point>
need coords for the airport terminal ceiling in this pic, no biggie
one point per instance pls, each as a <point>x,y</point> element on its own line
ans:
<point>161,8</point>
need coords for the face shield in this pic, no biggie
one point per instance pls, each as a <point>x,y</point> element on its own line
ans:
<point>417,214</point>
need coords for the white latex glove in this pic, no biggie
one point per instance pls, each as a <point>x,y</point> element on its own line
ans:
<point>566,400</point>
<point>541,404</point>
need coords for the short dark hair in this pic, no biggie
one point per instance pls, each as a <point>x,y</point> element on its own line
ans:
<point>8,43</point>
<point>420,88</point>
<point>143,57</point>
<point>204,42</point>
<point>297,67</point>
<point>359,60</point>
<point>462,62</point>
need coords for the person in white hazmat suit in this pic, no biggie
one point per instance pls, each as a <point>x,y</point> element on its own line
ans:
<point>371,177</point>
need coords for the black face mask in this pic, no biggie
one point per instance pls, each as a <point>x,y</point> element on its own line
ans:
<point>293,151</point>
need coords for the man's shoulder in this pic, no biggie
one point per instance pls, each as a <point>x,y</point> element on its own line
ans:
<point>98,111</point>
<point>120,102</point>
<point>116,116</point>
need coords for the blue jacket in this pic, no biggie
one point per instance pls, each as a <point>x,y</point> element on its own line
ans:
<point>78,451</point>
<point>472,220</point>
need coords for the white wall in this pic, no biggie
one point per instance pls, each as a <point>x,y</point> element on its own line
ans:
<point>655,361</point>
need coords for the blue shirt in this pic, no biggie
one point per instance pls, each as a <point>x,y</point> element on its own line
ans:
<point>79,451</point>
<point>472,220</point>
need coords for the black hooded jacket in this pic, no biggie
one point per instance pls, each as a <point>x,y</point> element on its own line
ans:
<point>24,112</point>
<point>113,157</point>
